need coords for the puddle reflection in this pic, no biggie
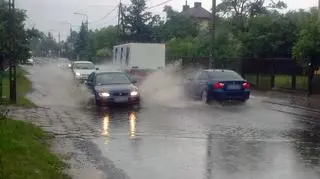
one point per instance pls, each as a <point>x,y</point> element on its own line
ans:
<point>118,120</point>
<point>132,124</point>
<point>105,126</point>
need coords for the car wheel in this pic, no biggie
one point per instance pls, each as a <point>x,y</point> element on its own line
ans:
<point>244,101</point>
<point>204,97</point>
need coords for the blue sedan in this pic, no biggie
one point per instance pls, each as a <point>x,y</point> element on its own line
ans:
<point>217,84</point>
<point>113,87</point>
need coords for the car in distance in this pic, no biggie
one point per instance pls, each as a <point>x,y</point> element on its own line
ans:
<point>29,61</point>
<point>82,69</point>
<point>217,84</point>
<point>113,87</point>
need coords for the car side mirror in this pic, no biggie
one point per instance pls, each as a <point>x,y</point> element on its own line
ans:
<point>97,68</point>
<point>134,81</point>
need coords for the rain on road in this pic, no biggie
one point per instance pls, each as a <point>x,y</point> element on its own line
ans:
<point>170,138</point>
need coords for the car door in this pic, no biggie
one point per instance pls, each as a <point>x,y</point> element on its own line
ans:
<point>201,82</point>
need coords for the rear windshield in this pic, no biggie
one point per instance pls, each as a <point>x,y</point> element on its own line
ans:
<point>225,75</point>
<point>83,66</point>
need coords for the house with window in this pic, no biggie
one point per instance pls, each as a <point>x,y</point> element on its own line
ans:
<point>197,13</point>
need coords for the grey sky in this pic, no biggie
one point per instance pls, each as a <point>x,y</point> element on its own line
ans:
<point>47,15</point>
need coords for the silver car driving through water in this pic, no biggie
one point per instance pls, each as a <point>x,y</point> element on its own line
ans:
<point>82,69</point>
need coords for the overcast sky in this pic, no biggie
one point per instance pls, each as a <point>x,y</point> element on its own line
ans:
<point>49,15</point>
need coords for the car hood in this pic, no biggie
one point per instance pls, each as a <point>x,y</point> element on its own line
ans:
<point>84,72</point>
<point>116,87</point>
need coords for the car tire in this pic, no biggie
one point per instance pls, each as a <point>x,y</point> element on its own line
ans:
<point>244,101</point>
<point>205,97</point>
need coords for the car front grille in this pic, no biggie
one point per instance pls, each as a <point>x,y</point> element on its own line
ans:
<point>119,94</point>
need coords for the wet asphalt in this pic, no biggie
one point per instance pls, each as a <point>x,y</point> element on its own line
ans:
<point>175,139</point>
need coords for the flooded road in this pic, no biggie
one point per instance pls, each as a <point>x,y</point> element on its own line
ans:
<point>170,138</point>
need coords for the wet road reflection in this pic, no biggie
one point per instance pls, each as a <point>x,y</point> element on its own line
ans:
<point>132,122</point>
<point>105,129</point>
<point>212,143</point>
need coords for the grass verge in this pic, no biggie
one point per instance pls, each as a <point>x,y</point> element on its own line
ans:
<point>25,154</point>
<point>24,85</point>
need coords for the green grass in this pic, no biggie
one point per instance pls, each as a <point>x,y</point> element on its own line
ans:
<point>24,152</point>
<point>24,85</point>
<point>281,81</point>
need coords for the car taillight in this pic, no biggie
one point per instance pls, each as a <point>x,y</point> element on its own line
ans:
<point>217,85</point>
<point>246,85</point>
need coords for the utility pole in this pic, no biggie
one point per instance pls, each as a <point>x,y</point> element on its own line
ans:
<point>12,60</point>
<point>119,19</point>
<point>213,34</point>
<point>1,74</point>
<point>59,45</point>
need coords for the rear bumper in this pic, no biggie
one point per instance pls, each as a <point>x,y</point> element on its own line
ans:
<point>230,95</point>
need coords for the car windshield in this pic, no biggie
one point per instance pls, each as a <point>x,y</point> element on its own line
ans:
<point>225,75</point>
<point>112,78</point>
<point>83,66</point>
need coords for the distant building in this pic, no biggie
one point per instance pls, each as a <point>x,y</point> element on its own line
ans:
<point>197,13</point>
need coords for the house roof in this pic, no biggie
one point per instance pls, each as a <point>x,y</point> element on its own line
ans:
<point>197,12</point>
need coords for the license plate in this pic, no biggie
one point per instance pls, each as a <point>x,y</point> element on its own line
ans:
<point>121,99</point>
<point>233,87</point>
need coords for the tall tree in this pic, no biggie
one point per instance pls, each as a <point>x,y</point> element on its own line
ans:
<point>307,47</point>
<point>137,22</point>
<point>13,38</point>
<point>238,11</point>
<point>82,43</point>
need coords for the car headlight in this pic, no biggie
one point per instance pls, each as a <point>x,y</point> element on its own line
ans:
<point>104,94</point>
<point>134,93</point>
<point>78,74</point>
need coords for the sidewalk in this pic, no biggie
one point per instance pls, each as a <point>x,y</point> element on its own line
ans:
<point>293,99</point>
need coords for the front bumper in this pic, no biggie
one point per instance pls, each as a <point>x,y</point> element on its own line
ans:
<point>130,100</point>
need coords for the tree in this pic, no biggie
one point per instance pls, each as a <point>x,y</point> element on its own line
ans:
<point>307,46</point>
<point>41,44</point>
<point>82,45</point>
<point>14,37</point>
<point>270,35</point>
<point>137,23</point>
<point>106,37</point>
<point>238,11</point>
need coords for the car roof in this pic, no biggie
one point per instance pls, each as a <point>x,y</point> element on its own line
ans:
<point>82,62</point>
<point>109,71</point>
<point>218,70</point>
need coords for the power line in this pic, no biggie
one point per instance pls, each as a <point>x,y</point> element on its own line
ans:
<point>107,15</point>
<point>160,4</point>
